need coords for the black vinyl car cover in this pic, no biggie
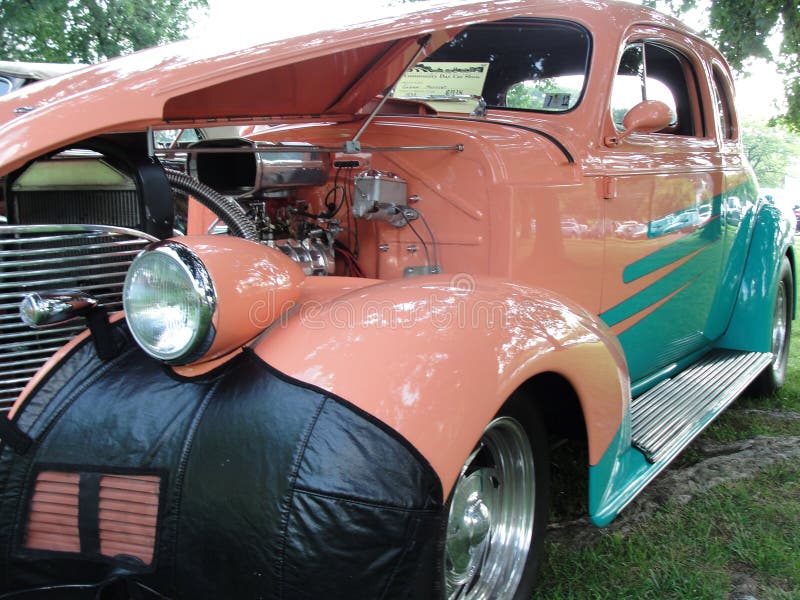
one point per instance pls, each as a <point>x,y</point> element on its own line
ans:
<point>253,485</point>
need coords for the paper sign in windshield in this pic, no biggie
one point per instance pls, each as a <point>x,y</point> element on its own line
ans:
<point>444,84</point>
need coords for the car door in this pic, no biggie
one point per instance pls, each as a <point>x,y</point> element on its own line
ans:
<point>662,252</point>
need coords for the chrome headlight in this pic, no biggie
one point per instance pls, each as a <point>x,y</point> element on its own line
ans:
<point>169,303</point>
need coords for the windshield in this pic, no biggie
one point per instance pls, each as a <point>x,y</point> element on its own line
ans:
<point>538,65</point>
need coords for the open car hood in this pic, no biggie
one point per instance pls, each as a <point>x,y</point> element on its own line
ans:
<point>293,70</point>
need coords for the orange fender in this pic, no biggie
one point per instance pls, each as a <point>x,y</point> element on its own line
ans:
<point>436,357</point>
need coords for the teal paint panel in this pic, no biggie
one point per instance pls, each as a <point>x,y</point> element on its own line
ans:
<point>750,327</point>
<point>739,219</point>
<point>698,296</point>
<point>708,234</point>
<point>681,277</point>
<point>658,333</point>
<point>613,480</point>
<point>674,329</point>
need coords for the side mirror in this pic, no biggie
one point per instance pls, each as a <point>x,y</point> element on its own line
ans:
<point>646,117</point>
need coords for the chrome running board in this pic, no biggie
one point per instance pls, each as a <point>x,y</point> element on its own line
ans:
<point>669,416</point>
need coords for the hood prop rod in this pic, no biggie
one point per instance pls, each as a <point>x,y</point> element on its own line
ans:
<point>354,146</point>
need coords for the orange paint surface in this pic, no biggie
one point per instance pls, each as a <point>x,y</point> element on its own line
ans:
<point>254,285</point>
<point>434,358</point>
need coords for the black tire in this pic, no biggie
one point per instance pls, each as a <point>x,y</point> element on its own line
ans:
<point>478,561</point>
<point>772,378</point>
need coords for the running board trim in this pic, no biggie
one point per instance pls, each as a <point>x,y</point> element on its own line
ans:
<point>669,416</point>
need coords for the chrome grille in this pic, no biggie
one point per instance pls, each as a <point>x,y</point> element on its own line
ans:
<point>93,258</point>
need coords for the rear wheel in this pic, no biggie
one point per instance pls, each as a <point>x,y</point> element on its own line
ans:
<point>493,541</point>
<point>774,375</point>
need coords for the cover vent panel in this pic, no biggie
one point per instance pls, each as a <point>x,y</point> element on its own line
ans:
<point>53,518</point>
<point>128,515</point>
<point>122,514</point>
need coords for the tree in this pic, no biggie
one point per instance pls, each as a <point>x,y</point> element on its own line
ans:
<point>88,30</point>
<point>741,30</point>
<point>772,152</point>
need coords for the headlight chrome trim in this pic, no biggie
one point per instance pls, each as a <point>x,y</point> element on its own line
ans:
<point>197,273</point>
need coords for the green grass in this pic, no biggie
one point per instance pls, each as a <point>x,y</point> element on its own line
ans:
<point>739,422</point>
<point>743,533</point>
<point>746,529</point>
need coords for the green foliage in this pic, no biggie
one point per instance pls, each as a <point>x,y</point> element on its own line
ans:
<point>88,30</point>
<point>522,96</point>
<point>741,31</point>
<point>531,94</point>
<point>771,151</point>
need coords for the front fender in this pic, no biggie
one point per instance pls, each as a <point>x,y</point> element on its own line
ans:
<point>436,357</point>
<point>750,328</point>
<point>238,483</point>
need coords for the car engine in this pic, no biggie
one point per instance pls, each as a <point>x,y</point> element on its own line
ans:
<point>264,180</point>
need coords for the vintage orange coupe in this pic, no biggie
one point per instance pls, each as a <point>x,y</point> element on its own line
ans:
<point>370,272</point>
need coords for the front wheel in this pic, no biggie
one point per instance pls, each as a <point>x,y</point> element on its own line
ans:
<point>494,538</point>
<point>774,375</point>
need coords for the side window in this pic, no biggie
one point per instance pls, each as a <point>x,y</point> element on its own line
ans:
<point>650,71</point>
<point>724,114</point>
<point>5,86</point>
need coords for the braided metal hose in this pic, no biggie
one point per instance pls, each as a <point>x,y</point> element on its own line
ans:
<point>226,209</point>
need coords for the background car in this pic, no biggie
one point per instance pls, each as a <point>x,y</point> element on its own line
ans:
<point>14,75</point>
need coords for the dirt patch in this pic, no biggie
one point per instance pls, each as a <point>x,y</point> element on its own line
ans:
<point>719,463</point>
<point>776,414</point>
<point>744,586</point>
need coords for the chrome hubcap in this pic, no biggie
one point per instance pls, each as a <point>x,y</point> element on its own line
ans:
<point>779,328</point>
<point>490,523</point>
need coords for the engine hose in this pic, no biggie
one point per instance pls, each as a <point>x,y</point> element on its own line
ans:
<point>226,209</point>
